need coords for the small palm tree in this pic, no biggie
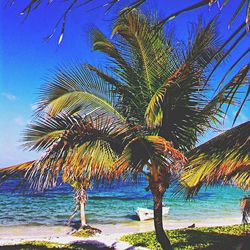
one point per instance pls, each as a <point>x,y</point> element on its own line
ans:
<point>80,186</point>
<point>50,134</point>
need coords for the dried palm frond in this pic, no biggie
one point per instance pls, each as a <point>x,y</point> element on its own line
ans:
<point>86,148</point>
<point>225,158</point>
<point>12,171</point>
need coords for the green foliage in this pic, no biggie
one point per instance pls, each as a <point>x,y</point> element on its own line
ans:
<point>43,244</point>
<point>196,238</point>
<point>100,122</point>
<point>74,89</point>
<point>86,231</point>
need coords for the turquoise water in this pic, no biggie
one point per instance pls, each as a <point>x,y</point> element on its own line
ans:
<point>112,205</point>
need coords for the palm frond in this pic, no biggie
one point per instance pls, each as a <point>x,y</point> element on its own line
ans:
<point>86,148</point>
<point>43,132</point>
<point>225,158</point>
<point>154,111</point>
<point>183,96</point>
<point>229,95</point>
<point>119,87</point>
<point>205,46</point>
<point>245,53</point>
<point>228,51</point>
<point>148,46</point>
<point>242,4</point>
<point>237,11</point>
<point>19,169</point>
<point>76,89</point>
<point>140,57</point>
<point>103,44</point>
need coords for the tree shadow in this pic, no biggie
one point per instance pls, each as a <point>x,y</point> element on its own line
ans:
<point>77,245</point>
<point>212,241</point>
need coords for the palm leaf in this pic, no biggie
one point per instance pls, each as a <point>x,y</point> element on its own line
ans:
<point>86,148</point>
<point>189,8</point>
<point>102,44</point>
<point>42,133</point>
<point>232,67</point>
<point>146,44</point>
<point>182,96</point>
<point>229,93</point>
<point>76,89</point>
<point>228,51</point>
<point>236,13</point>
<point>19,169</point>
<point>139,57</point>
<point>225,158</point>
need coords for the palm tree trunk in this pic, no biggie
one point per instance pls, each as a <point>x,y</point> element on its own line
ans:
<point>82,199</point>
<point>159,231</point>
<point>82,214</point>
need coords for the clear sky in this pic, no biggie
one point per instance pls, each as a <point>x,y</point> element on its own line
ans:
<point>26,59</point>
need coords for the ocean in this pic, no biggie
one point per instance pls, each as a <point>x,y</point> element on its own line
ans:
<point>114,204</point>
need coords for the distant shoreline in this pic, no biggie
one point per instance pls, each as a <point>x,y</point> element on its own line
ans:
<point>61,234</point>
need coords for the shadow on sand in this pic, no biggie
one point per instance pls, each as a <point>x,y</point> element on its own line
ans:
<point>86,245</point>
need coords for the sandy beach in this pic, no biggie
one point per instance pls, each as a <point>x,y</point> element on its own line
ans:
<point>110,235</point>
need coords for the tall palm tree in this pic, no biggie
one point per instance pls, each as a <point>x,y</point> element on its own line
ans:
<point>158,85</point>
<point>164,85</point>
<point>151,100</point>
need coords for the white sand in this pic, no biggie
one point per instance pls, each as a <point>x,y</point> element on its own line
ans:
<point>110,236</point>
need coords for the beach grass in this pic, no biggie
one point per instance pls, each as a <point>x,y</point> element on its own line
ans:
<point>86,231</point>
<point>212,238</point>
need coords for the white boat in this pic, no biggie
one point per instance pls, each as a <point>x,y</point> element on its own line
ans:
<point>147,214</point>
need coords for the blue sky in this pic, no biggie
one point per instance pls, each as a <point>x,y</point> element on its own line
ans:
<point>26,59</point>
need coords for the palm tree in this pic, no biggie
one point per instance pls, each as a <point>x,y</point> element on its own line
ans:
<point>166,86</point>
<point>152,78</point>
<point>80,186</point>
<point>151,98</point>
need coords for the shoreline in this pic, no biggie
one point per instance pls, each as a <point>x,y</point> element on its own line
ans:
<point>110,235</point>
